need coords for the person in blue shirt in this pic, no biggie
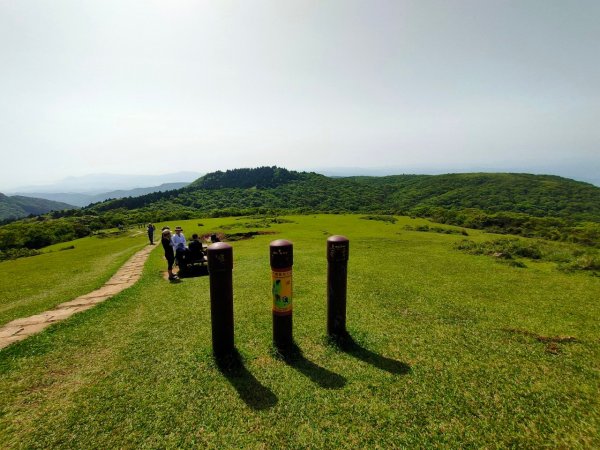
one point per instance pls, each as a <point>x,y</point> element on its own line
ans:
<point>179,245</point>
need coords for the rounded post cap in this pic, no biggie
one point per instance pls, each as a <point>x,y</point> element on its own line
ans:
<point>338,248</point>
<point>281,243</point>
<point>220,257</point>
<point>281,254</point>
<point>219,246</point>
<point>338,238</point>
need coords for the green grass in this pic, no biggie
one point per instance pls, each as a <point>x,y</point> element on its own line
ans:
<point>35,284</point>
<point>454,350</point>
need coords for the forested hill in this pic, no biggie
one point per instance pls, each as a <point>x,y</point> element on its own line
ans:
<point>242,190</point>
<point>261,177</point>
<point>536,195</point>
<point>18,206</point>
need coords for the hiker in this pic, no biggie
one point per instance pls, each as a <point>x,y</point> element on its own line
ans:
<point>169,255</point>
<point>150,230</point>
<point>214,238</point>
<point>178,242</point>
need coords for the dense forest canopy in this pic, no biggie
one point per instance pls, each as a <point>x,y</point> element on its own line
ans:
<point>544,206</point>
<point>261,177</point>
<point>272,187</point>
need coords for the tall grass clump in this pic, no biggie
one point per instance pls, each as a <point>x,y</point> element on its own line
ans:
<point>502,248</point>
<point>587,262</point>
<point>568,257</point>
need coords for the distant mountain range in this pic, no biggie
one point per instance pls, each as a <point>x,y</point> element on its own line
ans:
<point>101,183</point>
<point>82,199</point>
<point>15,207</point>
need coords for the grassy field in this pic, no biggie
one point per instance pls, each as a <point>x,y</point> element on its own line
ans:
<point>38,283</point>
<point>452,350</point>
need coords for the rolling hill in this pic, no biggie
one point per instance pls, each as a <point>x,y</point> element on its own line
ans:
<point>276,188</point>
<point>14,207</point>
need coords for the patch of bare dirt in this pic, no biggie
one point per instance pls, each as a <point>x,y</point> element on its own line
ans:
<point>550,341</point>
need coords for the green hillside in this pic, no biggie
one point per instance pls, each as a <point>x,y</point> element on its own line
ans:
<point>272,187</point>
<point>536,195</point>
<point>62,272</point>
<point>18,206</point>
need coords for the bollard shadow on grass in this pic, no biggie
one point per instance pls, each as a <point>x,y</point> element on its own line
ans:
<point>250,390</point>
<point>325,378</point>
<point>348,345</point>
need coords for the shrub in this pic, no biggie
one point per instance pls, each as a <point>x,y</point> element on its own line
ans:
<point>14,253</point>
<point>380,217</point>
<point>584,262</point>
<point>502,248</point>
<point>441,230</point>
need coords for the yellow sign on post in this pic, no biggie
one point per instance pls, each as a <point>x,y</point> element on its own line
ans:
<point>282,291</point>
<point>281,256</point>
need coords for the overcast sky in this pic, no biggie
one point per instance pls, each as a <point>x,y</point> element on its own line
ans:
<point>164,86</point>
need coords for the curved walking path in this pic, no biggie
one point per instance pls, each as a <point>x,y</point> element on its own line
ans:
<point>126,276</point>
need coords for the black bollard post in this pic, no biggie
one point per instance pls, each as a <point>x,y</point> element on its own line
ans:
<point>220,266</point>
<point>282,259</point>
<point>337,273</point>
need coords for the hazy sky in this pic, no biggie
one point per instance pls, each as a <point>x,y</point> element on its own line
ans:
<point>164,86</point>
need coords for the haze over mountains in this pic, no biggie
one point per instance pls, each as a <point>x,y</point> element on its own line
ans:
<point>104,182</point>
<point>83,199</point>
<point>81,191</point>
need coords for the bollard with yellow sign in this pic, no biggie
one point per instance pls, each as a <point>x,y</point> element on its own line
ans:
<point>282,259</point>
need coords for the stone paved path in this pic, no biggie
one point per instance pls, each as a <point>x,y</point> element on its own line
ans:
<point>126,276</point>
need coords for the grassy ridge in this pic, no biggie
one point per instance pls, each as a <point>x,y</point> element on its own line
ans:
<point>275,188</point>
<point>454,350</point>
<point>32,285</point>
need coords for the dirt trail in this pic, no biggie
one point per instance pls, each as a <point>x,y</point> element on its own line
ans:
<point>126,276</point>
